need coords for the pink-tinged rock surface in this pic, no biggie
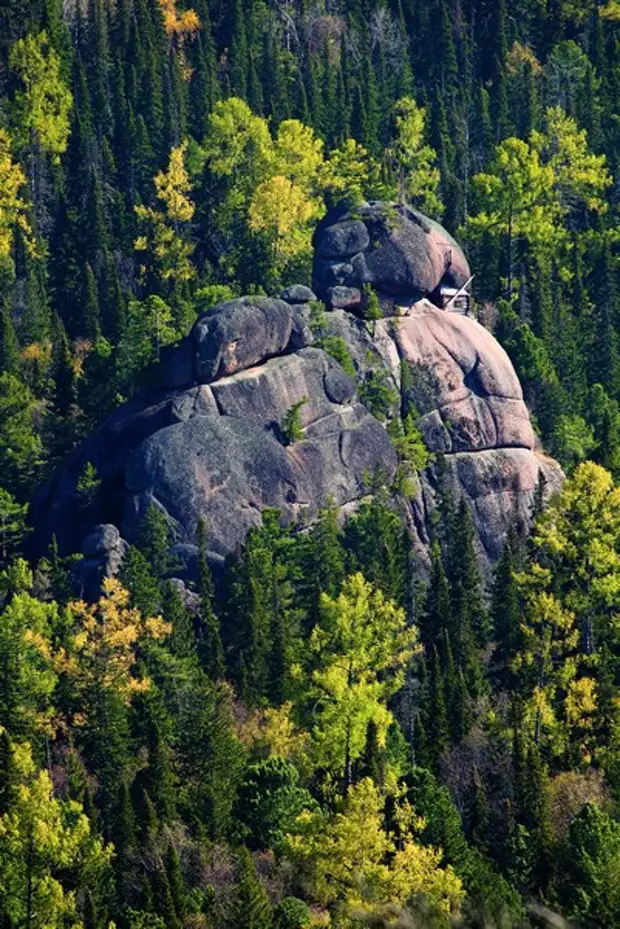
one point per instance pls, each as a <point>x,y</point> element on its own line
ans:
<point>462,383</point>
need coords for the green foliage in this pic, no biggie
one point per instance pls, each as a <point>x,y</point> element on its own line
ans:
<point>157,158</point>
<point>372,308</point>
<point>88,485</point>
<point>291,426</point>
<point>43,102</point>
<point>270,799</point>
<point>291,913</point>
<point>362,644</point>
<point>13,527</point>
<point>376,391</point>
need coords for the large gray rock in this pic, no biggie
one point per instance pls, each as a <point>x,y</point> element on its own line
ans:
<point>208,444</point>
<point>239,334</point>
<point>397,250</point>
<point>216,451</point>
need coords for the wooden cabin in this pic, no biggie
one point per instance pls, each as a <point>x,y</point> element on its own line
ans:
<point>454,300</point>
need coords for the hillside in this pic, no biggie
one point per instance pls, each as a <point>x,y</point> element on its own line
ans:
<point>309,440</point>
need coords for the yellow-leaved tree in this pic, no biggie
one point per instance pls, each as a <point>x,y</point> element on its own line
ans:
<point>179,23</point>
<point>28,681</point>
<point>351,172</point>
<point>283,214</point>
<point>580,176</point>
<point>572,620</point>
<point>47,849</point>
<point>42,102</point>
<point>351,859</point>
<point>412,160</point>
<point>13,208</point>
<point>165,242</point>
<point>101,650</point>
<point>360,649</point>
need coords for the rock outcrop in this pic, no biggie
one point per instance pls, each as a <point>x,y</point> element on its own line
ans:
<point>394,249</point>
<point>210,443</point>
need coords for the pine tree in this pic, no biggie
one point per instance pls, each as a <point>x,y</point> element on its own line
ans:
<point>372,762</point>
<point>437,619</point>
<point>90,912</point>
<point>209,756</point>
<point>122,828</point>
<point>272,79</point>
<point>203,89</point>
<point>162,898</point>
<point>471,622</point>
<point>323,561</point>
<point>175,881</point>
<point>459,709</point>
<point>604,357</point>
<point>113,304</point>
<point>157,779</point>
<point>378,543</point>
<point>63,368</point>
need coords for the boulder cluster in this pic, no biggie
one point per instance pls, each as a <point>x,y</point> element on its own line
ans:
<point>401,254</point>
<point>209,442</point>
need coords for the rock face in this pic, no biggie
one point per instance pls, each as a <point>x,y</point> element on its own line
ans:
<point>209,442</point>
<point>397,250</point>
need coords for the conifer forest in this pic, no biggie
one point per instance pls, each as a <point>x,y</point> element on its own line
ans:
<point>291,640</point>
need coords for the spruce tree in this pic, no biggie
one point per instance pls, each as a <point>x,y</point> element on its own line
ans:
<point>322,562</point>
<point>209,755</point>
<point>157,778</point>
<point>175,881</point>
<point>437,618</point>
<point>471,621</point>
<point>372,762</point>
<point>162,898</point>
